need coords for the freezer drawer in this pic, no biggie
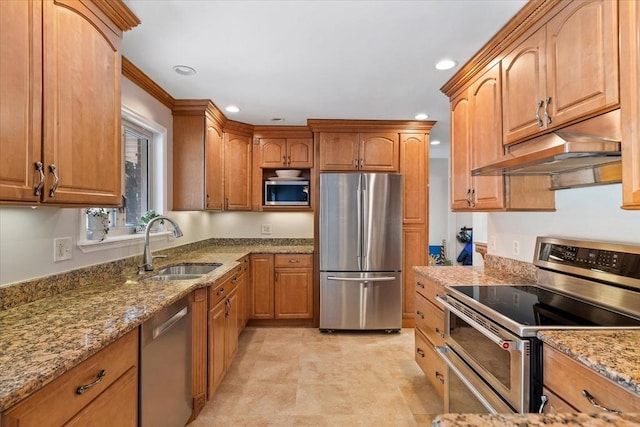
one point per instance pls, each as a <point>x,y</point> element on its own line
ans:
<point>360,301</point>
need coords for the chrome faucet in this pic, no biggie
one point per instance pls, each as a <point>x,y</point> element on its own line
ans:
<point>147,258</point>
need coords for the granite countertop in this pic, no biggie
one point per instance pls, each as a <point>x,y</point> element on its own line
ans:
<point>41,340</point>
<point>457,275</point>
<point>536,420</point>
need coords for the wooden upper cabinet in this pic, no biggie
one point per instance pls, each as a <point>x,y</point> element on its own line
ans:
<point>379,152</point>
<point>414,165</point>
<point>213,168</point>
<point>338,151</point>
<point>349,151</point>
<point>566,70</point>
<point>21,100</point>
<point>486,139</point>
<point>630,102</point>
<point>460,152</point>
<point>277,153</point>
<point>237,171</point>
<point>72,130</point>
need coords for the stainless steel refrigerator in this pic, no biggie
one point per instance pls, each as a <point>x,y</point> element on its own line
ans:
<point>360,251</point>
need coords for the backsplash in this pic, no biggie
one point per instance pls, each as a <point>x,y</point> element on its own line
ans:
<point>513,266</point>
<point>31,290</point>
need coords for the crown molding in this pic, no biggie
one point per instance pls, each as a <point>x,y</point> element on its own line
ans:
<point>133,73</point>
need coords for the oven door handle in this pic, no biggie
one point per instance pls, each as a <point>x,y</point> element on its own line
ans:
<point>507,345</point>
<point>450,358</point>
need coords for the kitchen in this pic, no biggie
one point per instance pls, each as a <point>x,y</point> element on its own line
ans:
<point>27,233</point>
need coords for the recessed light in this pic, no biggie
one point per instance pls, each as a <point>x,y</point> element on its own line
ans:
<point>232,109</point>
<point>422,116</point>
<point>184,70</point>
<point>435,142</point>
<point>446,64</point>
<point>277,119</point>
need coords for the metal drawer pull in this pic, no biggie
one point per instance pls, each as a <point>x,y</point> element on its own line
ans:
<point>420,352</point>
<point>38,189</point>
<point>538,118</point>
<point>440,377</point>
<point>594,403</point>
<point>56,180</point>
<point>420,285</point>
<point>220,292</point>
<point>294,261</point>
<point>543,399</point>
<point>234,280</point>
<point>421,314</point>
<point>440,333</point>
<point>86,387</point>
<point>546,110</point>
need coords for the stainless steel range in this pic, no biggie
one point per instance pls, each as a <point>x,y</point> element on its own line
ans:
<point>491,343</point>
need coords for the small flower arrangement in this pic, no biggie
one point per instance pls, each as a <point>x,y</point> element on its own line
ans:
<point>97,212</point>
<point>144,220</point>
<point>97,223</point>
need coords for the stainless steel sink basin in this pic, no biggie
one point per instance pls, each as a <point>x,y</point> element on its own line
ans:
<point>188,269</point>
<point>184,271</point>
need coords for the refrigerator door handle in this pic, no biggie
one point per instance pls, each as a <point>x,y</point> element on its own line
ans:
<point>362,279</point>
<point>365,221</point>
<point>359,224</point>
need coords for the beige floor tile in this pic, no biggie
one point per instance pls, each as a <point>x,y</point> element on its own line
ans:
<point>323,399</point>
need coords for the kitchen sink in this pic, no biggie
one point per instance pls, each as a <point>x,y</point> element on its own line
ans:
<point>184,271</point>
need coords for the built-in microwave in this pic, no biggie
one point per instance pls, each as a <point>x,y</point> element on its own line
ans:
<point>286,192</point>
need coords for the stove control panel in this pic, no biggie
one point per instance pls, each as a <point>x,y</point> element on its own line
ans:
<point>620,261</point>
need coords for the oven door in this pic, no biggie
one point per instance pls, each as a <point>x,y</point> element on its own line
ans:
<point>466,392</point>
<point>500,358</point>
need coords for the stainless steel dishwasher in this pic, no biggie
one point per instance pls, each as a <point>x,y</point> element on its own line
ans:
<point>166,397</point>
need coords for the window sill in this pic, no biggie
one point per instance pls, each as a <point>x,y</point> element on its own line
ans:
<point>123,241</point>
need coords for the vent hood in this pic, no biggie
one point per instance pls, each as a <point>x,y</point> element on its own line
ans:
<point>586,145</point>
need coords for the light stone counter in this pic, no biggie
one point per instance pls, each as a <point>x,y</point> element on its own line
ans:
<point>42,339</point>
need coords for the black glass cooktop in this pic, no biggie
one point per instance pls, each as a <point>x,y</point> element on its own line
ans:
<point>534,306</point>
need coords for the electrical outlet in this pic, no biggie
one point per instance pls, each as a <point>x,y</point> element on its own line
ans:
<point>265,229</point>
<point>62,249</point>
<point>492,243</point>
<point>516,247</point>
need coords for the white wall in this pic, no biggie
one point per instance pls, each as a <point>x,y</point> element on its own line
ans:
<point>591,213</point>
<point>26,234</point>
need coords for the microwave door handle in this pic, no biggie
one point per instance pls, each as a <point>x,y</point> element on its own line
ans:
<point>503,344</point>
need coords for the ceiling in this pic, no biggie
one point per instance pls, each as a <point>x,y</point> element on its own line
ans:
<point>321,59</point>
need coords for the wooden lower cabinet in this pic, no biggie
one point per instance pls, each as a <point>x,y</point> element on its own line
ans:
<point>434,368</point>
<point>414,251</point>
<point>567,379</point>
<point>199,316</point>
<point>243,293</point>
<point>111,401</point>
<point>281,286</point>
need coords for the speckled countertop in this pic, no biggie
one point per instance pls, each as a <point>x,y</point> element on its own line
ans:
<point>536,420</point>
<point>41,340</point>
<point>471,276</point>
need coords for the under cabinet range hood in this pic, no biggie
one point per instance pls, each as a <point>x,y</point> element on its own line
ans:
<point>588,145</point>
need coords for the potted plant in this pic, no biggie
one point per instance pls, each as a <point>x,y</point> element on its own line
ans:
<point>144,220</point>
<point>97,223</point>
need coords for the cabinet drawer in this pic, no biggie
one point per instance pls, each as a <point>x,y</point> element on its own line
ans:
<point>431,364</point>
<point>222,288</point>
<point>568,378</point>
<point>555,404</point>
<point>429,290</point>
<point>293,260</point>
<point>58,401</point>
<point>430,320</point>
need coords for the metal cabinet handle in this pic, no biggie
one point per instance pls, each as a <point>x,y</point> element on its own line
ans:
<point>468,198</point>
<point>38,188</point>
<point>543,399</point>
<point>208,200</point>
<point>440,377</point>
<point>220,292</point>
<point>538,118</point>
<point>473,196</point>
<point>56,180</point>
<point>595,404</point>
<point>420,285</point>
<point>284,160</point>
<point>421,314</point>
<point>289,160</point>
<point>81,389</point>
<point>546,110</point>
<point>294,261</point>
<point>355,163</point>
<point>234,280</point>
<point>439,332</point>
<point>227,310</point>
<point>226,203</point>
<point>420,352</point>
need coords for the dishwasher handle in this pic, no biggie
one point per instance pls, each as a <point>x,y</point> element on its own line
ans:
<point>165,326</point>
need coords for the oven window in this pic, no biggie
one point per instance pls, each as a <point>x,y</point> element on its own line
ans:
<point>484,352</point>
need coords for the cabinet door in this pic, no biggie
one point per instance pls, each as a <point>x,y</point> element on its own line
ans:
<point>460,153</point>
<point>338,151</point>
<point>414,250</point>
<point>237,172</point>
<point>21,100</point>
<point>300,153</point>
<point>261,287</point>
<point>630,103</point>
<point>217,326</point>
<point>379,152</point>
<point>294,293</point>
<point>213,186</point>
<point>231,330</point>
<point>582,60</point>
<point>486,135</point>
<point>273,153</point>
<point>199,318</point>
<point>414,165</point>
<point>82,138</point>
<point>524,89</point>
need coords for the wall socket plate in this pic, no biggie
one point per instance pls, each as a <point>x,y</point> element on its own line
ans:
<point>62,249</point>
<point>265,229</point>
<point>516,247</point>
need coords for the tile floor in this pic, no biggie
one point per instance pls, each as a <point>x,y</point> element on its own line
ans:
<point>301,377</point>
